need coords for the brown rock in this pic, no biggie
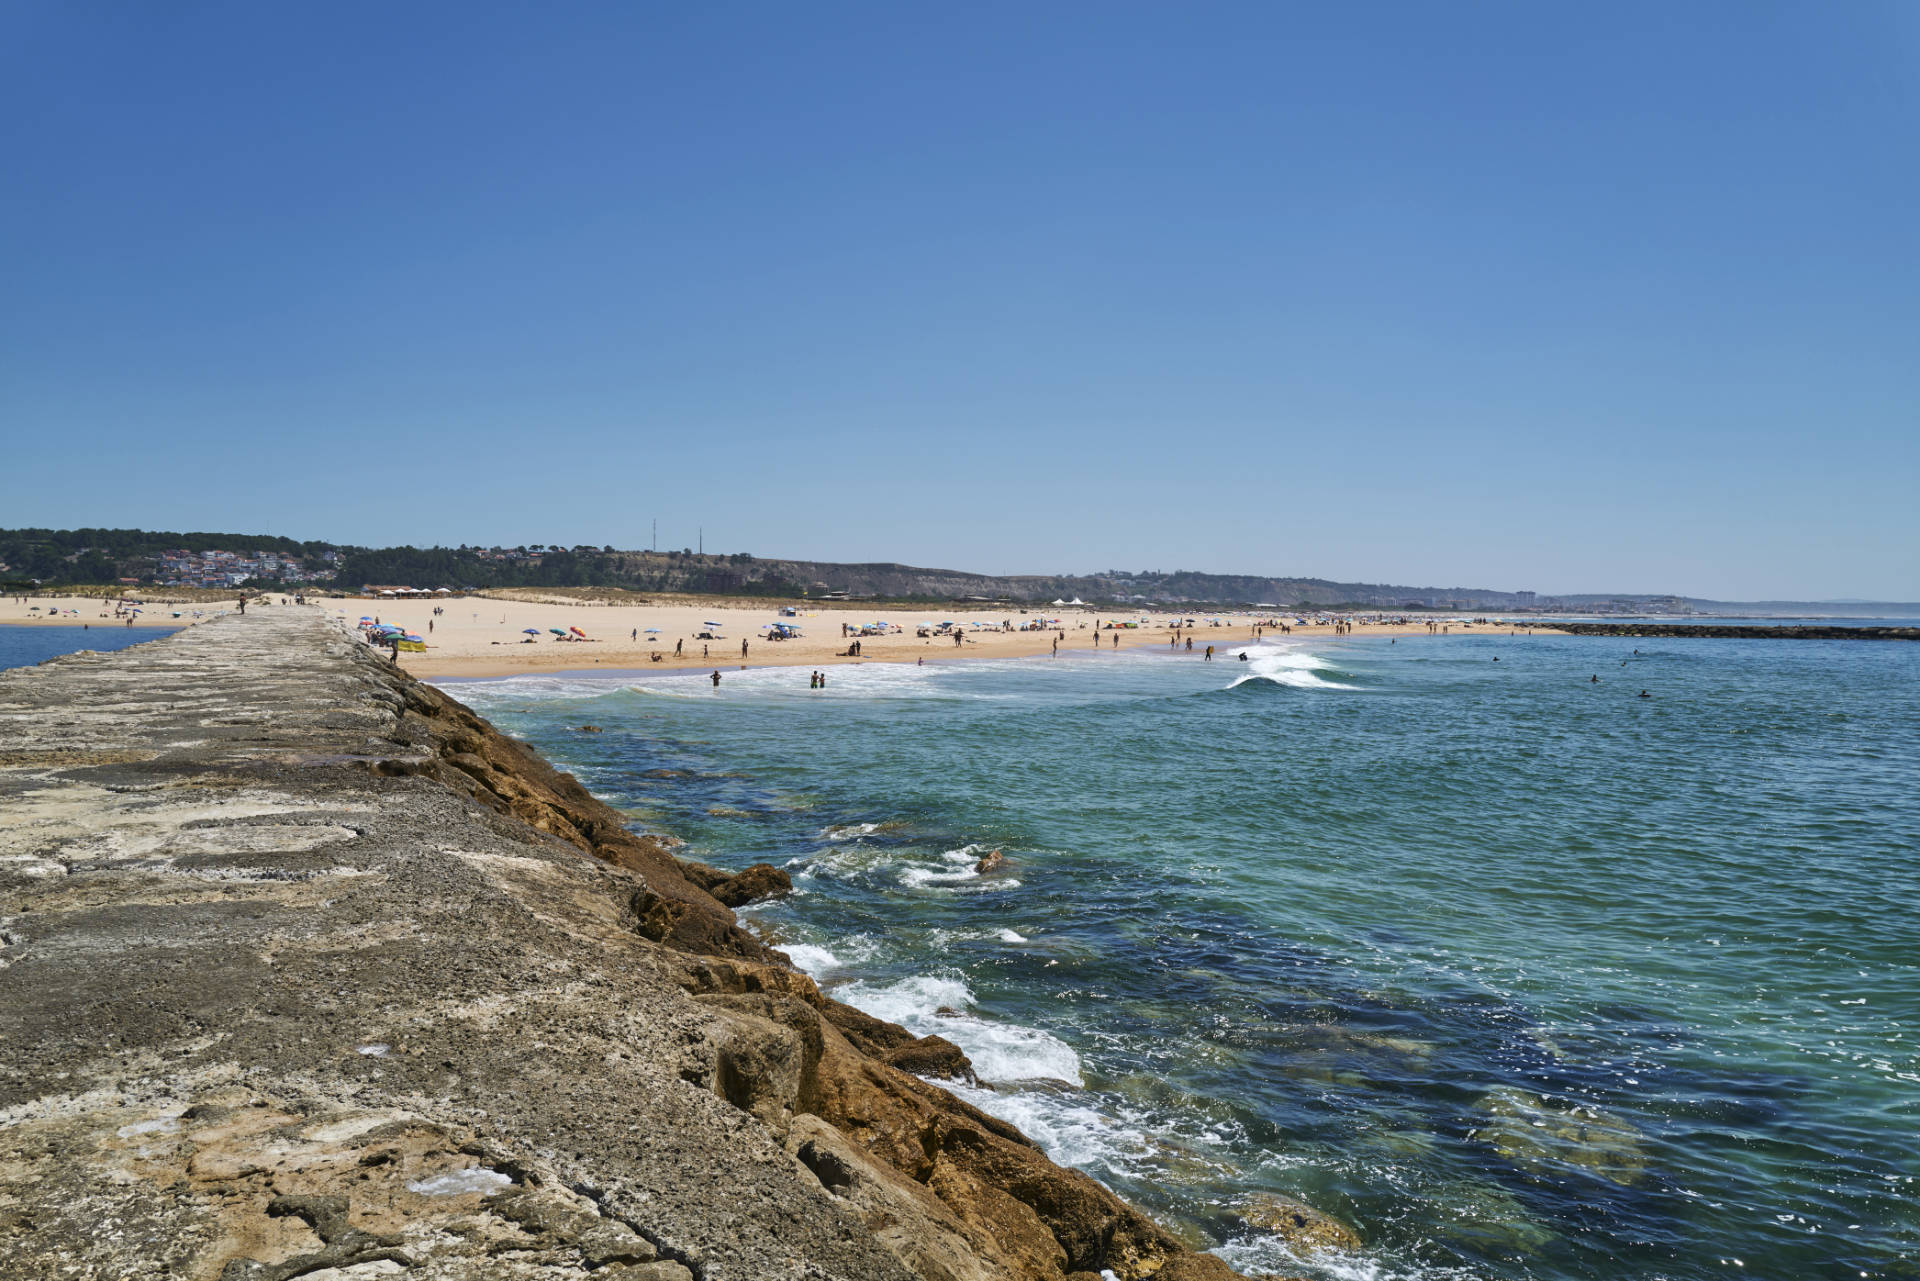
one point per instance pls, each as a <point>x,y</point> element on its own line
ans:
<point>705,875</point>
<point>991,862</point>
<point>933,1056</point>
<point>762,880</point>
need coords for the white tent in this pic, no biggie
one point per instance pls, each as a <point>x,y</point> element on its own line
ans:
<point>1059,602</point>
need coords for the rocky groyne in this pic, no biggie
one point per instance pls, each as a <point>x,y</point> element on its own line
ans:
<point>1732,631</point>
<point>308,972</point>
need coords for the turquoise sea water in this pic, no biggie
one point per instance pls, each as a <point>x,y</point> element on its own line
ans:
<point>25,646</point>
<point>1521,975</point>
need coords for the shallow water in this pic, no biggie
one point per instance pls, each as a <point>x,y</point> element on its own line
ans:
<point>24,646</point>
<point>1521,975</point>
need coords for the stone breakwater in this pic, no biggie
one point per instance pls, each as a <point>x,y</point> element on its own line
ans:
<point>306,971</point>
<point>1727,631</point>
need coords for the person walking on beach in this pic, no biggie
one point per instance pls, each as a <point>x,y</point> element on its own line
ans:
<point>635,635</point>
<point>243,608</point>
<point>1056,647</point>
<point>1209,653</point>
<point>743,647</point>
<point>676,646</point>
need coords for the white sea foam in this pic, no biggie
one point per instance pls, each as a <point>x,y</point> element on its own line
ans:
<point>1262,1253</point>
<point>1283,665</point>
<point>1000,1051</point>
<point>812,960</point>
<point>847,831</point>
<point>1012,936</point>
<point>1067,1126</point>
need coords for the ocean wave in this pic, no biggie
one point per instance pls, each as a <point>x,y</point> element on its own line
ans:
<point>1069,1128</point>
<point>1284,665</point>
<point>1000,1051</point>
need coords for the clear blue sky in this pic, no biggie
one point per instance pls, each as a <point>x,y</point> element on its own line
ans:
<point>1518,295</point>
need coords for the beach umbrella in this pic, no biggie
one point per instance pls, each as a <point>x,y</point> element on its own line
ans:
<point>575,630</point>
<point>653,631</point>
<point>415,636</point>
<point>531,631</point>
<point>709,623</point>
<point>555,630</point>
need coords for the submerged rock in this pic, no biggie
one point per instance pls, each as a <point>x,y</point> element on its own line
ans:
<point>1299,1223</point>
<point>1546,1136</point>
<point>992,862</point>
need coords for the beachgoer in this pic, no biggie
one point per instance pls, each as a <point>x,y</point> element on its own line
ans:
<point>676,646</point>
<point>635,634</point>
<point>243,609</point>
<point>743,647</point>
<point>716,678</point>
<point>1596,680</point>
<point>1644,694</point>
<point>1209,653</point>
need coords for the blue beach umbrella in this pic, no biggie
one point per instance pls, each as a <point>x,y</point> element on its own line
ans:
<point>531,631</point>
<point>653,631</point>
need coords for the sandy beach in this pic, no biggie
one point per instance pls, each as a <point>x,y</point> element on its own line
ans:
<point>492,636</point>
<point>485,636</point>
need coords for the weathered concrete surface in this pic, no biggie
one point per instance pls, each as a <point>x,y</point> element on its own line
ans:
<point>306,971</point>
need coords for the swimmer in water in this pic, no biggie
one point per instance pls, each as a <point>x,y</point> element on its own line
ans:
<point>1644,694</point>
<point>1596,680</point>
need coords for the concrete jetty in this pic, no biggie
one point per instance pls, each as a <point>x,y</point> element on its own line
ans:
<point>308,972</point>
